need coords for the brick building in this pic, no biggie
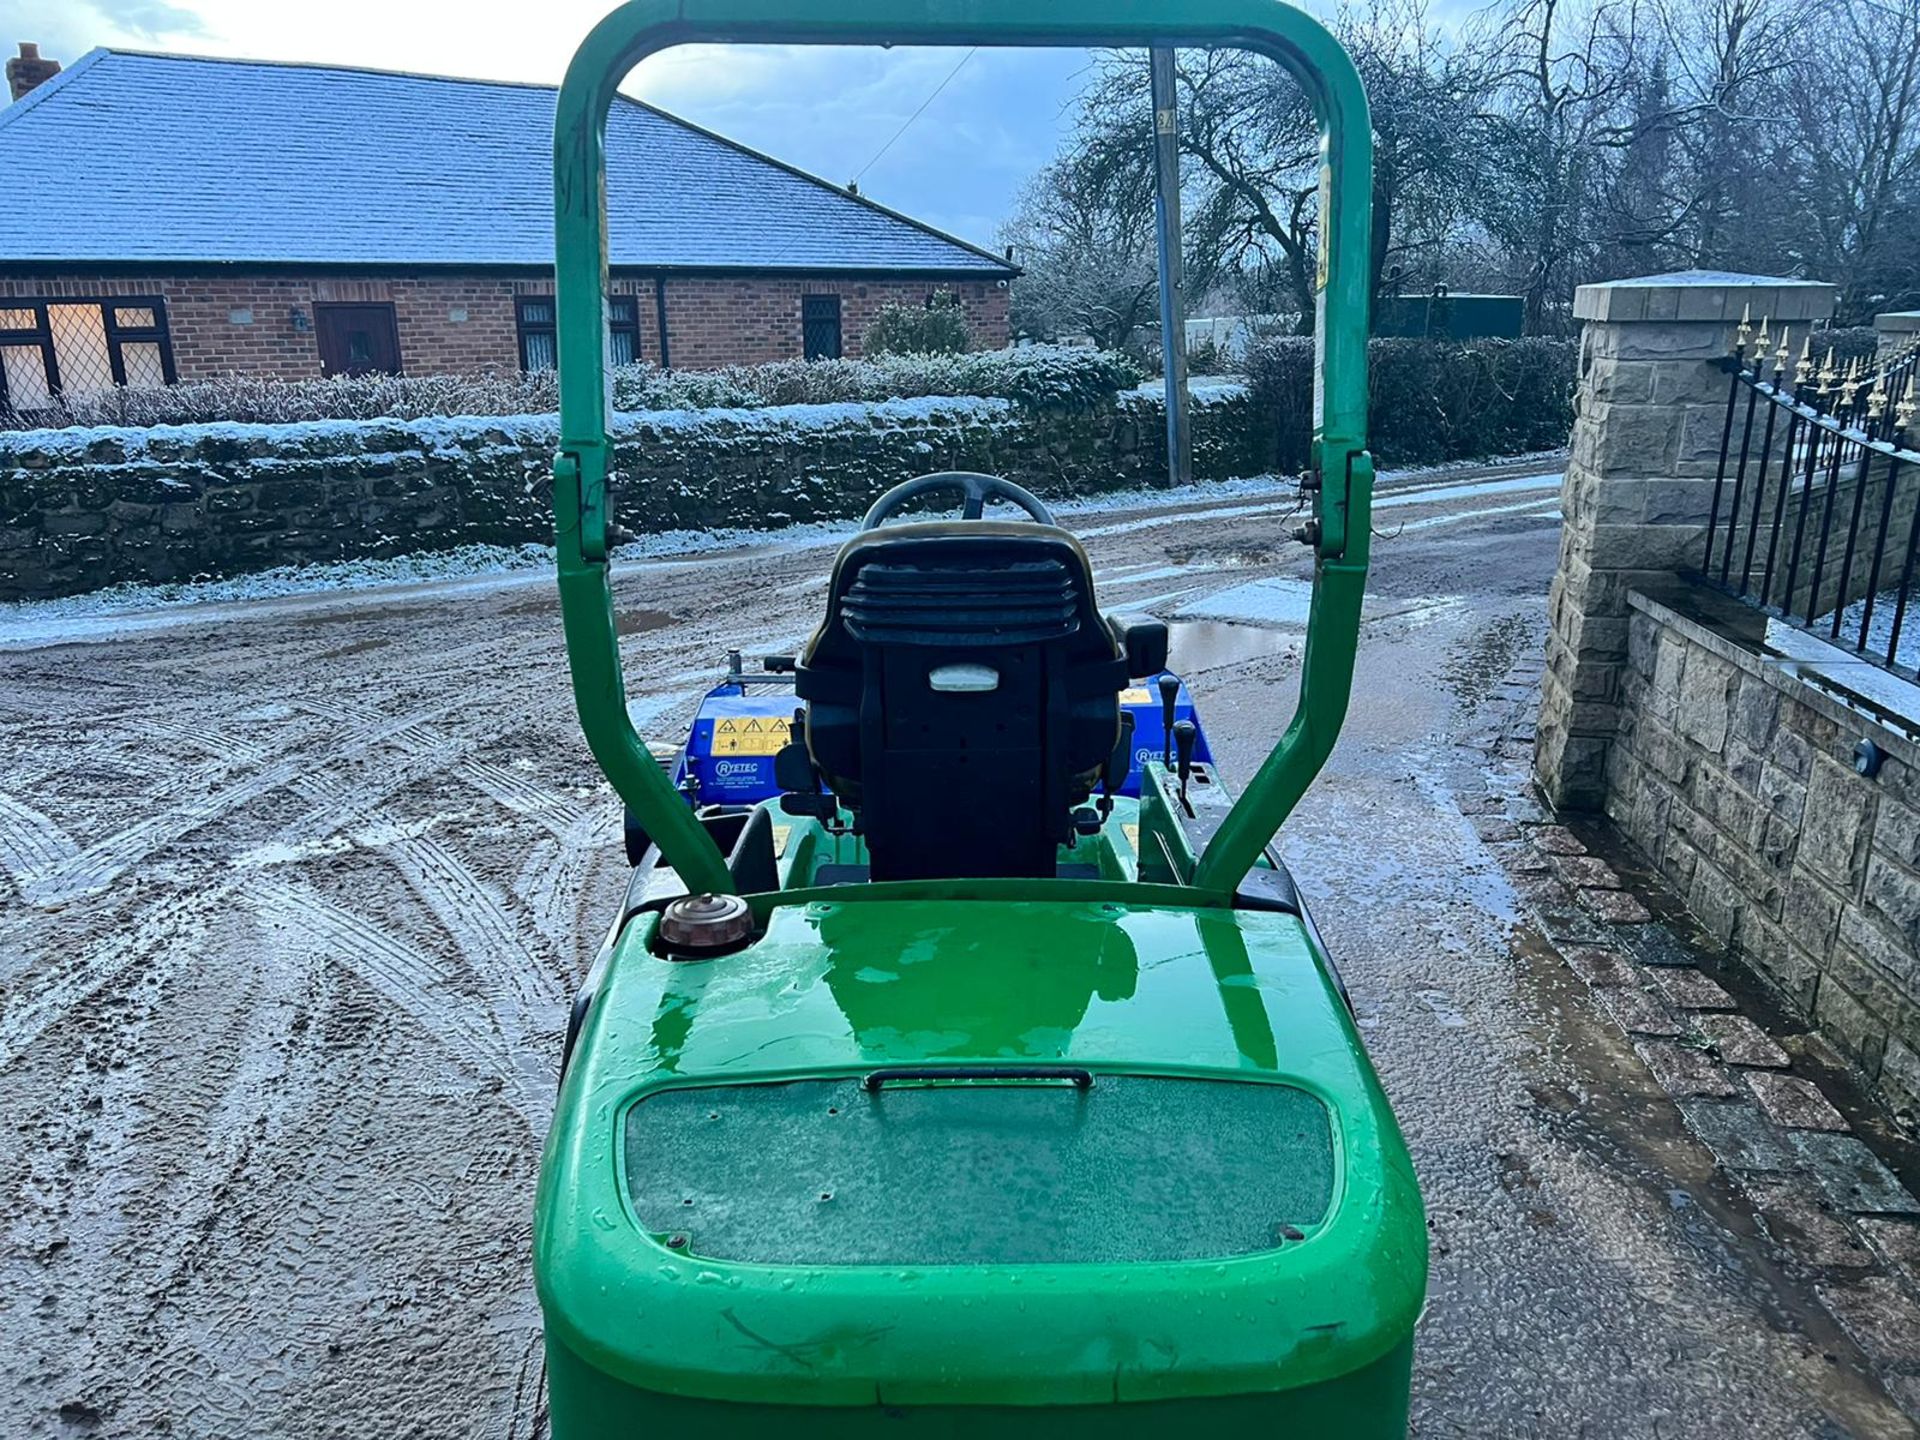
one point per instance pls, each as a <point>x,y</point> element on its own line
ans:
<point>176,218</point>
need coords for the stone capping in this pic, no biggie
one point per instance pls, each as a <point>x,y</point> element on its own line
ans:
<point>1897,322</point>
<point>1708,296</point>
<point>1736,633</point>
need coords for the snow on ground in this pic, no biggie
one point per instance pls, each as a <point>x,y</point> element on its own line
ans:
<point>122,608</point>
<point>1880,633</point>
<point>1396,496</point>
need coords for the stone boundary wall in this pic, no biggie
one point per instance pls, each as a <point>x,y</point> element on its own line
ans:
<point>1736,776</point>
<point>82,509</point>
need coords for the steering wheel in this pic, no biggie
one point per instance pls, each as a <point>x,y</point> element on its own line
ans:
<point>977,488</point>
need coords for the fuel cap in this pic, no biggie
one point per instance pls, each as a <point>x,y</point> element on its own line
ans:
<point>698,926</point>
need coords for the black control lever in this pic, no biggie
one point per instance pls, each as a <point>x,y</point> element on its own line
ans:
<point>1119,762</point>
<point>1169,699</point>
<point>794,772</point>
<point>1185,733</point>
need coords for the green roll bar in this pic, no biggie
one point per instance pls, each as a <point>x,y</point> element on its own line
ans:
<point>1342,501</point>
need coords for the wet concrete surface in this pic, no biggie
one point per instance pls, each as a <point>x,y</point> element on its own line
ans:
<point>292,904</point>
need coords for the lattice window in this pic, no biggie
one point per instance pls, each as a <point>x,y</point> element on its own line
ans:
<point>539,344</point>
<point>623,329</point>
<point>820,327</point>
<point>52,348</point>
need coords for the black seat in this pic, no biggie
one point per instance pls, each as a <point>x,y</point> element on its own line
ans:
<point>962,695</point>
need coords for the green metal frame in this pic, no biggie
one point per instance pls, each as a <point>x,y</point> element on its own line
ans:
<point>1343,502</point>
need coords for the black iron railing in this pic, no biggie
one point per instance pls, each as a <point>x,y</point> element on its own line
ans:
<point>1816,499</point>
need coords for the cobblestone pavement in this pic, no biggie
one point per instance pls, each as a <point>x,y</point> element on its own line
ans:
<point>292,897</point>
<point>1746,1082</point>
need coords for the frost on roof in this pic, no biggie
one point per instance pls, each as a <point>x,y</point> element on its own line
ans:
<point>148,157</point>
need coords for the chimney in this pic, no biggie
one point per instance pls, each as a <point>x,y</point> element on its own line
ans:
<point>29,70</point>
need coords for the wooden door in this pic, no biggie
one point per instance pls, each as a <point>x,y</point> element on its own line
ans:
<point>357,339</point>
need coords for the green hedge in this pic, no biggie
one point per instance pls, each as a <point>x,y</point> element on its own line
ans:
<point>1428,400</point>
<point>1847,342</point>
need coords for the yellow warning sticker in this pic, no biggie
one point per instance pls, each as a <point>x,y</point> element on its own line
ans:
<point>780,833</point>
<point>1134,695</point>
<point>1132,832</point>
<point>749,735</point>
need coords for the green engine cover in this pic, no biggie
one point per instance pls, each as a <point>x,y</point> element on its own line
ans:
<point>754,1204</point>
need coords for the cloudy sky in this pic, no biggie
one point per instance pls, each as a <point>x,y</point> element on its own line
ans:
<point>829,111</point>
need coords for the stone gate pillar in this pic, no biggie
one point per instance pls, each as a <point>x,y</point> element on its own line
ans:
<point>1649,412</point>
<point>1894,331</point>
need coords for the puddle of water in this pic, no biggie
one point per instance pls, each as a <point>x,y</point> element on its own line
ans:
<point>636,622</point>
<point>1196,645</point>
<point>1275,600</point>
<point>1232,557</point>
<point>1439,494</point>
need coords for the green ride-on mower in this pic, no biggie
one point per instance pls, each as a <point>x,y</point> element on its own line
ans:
<point>951,1089</point>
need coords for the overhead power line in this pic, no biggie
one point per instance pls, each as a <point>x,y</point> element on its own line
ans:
<point>855,183</point>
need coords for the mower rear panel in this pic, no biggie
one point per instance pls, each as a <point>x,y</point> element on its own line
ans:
<point>758,1209</point>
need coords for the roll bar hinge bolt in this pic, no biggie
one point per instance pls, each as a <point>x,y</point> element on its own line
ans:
<point>1308,533</point>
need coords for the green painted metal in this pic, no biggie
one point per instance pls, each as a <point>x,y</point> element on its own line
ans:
<point>1310,1336</point>
<point>582,469</point>
<point>1365,1404</point>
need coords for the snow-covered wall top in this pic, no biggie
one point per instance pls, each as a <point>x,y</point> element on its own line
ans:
<point>110,444</point>
<point>85,508</point>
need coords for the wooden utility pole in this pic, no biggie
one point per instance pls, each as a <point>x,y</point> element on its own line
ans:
<point>1173,300</point>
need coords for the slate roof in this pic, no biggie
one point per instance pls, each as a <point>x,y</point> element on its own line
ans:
<point>134,157</point>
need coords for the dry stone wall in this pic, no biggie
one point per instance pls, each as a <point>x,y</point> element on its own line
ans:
<point>81,509</point>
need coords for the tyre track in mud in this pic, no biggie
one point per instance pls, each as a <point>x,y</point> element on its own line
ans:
<point>94,1245</point>
<point>157,939</point>
<point>30,843</point>
<point>417,984</point>
<point>192,801</point>
<point>425,751</point>
<point>259,1112</point>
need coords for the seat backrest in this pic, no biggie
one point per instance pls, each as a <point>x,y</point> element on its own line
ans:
<point>962,695</point>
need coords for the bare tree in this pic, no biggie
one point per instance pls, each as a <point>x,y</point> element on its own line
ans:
<point>1548,143</point>
<point>1428,162</point>
<point>1856,127</point>
<point>1248,146</point>
<point>1087,252</point>
<point>1250,149</point>
<point>1561,84</point>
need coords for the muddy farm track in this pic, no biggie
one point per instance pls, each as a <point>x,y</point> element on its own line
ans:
<point>292,898</point>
